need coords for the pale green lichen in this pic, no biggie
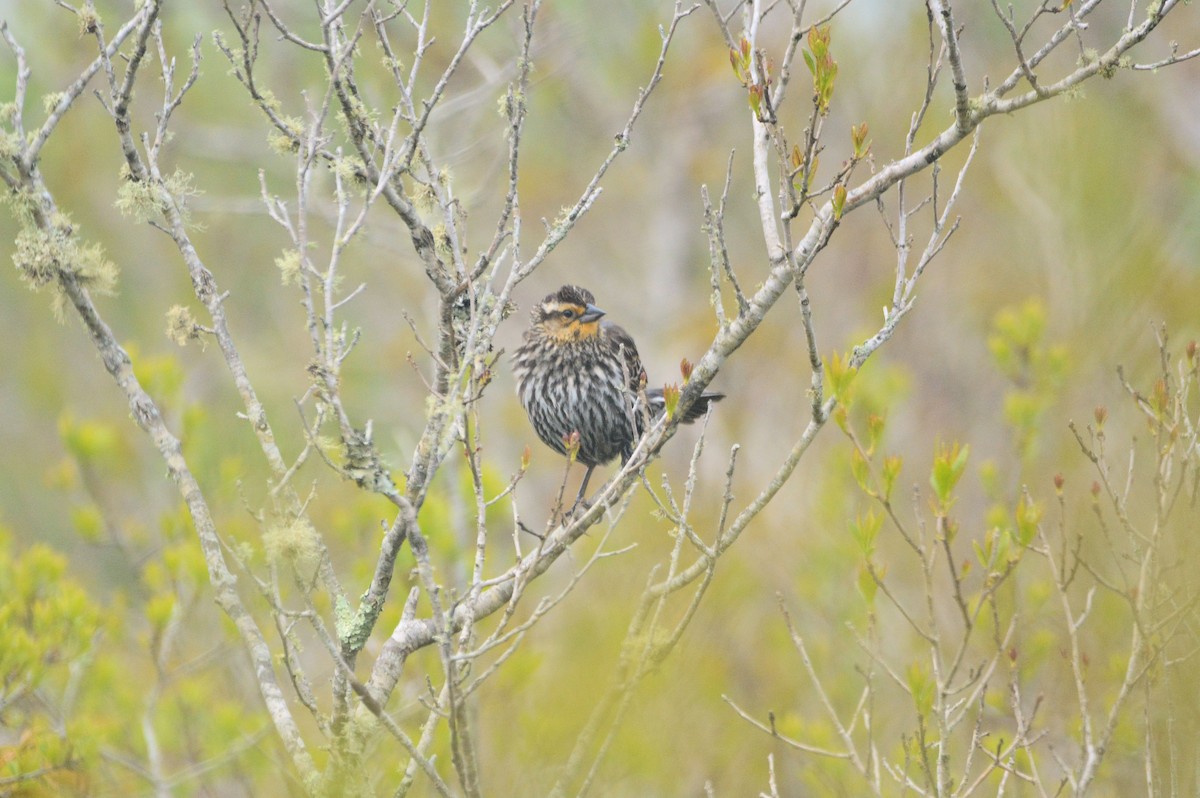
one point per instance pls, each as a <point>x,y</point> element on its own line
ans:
<point>441,239</point>
<point>142,201</point>
<point>137,200</point>
<point>1110,70</point>
<point>52,101</point>
<point>93,270</point>
<point>244,551</point>
<point>181,326</point>
<point>11,146</point>
<point>181,184</point>
<point>361,730</point>
<point>22,203</point>
<point>424,197</point>
<point>345,620</point>
<point>45,255</point>
<point>359,113</point>
<point>330,446</point>
<point>182,187</point>
<point>40,255</point>
<point>350,168</point>
<point>89,20</point>
<point>565,217</point>
<point>269,101</point>
<point>288,140</point>
<point>289,265</point>
<point>294,541</point>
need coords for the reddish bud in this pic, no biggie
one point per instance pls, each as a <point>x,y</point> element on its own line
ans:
<point>1059,481</point>
<point>671,399</point>
<point>839,201</point>
<point>1191,350</point>
<point>1096,489</point>
<point>756,98</point>
<point>685,368</point>
<point>571,445</point>
<point>1162,395</point>
<point>858,137</point>
<point>1101,415</point>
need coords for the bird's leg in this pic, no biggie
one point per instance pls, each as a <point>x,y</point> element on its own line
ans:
<point>582,489</point>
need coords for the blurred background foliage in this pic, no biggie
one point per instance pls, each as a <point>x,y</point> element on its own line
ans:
<point>1079,237</point>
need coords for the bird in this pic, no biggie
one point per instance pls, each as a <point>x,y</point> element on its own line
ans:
<point>579,374</point>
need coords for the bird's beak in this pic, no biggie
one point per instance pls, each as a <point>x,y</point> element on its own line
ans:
<point>590,314</point>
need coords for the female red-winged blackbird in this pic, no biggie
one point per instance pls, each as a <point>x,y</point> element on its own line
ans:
<point>576,373</point>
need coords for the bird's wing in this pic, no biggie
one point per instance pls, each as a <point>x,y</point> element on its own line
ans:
<point>619,339</point>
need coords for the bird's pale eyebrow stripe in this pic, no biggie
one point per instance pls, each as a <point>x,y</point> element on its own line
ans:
<point>556,308</point>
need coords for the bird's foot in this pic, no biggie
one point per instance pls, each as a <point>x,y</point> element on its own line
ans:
<point>577,510</point>
<point>524,528</point>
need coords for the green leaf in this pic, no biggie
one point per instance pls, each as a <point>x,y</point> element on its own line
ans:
<point>861,471</point>
<point>867,586</point>
<point>1029,518</point>
<point>948,466</point>
<point>864,529</point>
<point>841,377</point>
<point>891,470</point>
<point>921,685</point>
<point>984,550</point>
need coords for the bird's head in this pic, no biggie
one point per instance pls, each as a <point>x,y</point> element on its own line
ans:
<point>568,315</point>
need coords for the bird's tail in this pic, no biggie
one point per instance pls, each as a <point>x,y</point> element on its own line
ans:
<point>658,404</point>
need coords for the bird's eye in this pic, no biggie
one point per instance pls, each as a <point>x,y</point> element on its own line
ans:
<point>568,314</point>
